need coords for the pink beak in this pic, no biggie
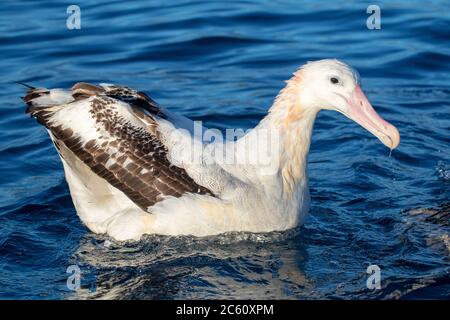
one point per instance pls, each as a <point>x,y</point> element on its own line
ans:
<point>361,111</point>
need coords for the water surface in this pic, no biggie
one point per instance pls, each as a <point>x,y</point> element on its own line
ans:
<point>223,63</point>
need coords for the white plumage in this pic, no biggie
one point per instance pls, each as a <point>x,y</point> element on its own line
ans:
<point>134,168</point>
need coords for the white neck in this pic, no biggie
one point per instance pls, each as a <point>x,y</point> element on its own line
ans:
<point>294,124</point>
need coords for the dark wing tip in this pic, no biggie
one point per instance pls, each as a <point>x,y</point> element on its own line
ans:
<point>25,85</point>
<point>31,110</point>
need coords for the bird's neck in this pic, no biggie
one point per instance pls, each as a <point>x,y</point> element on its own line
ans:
<point>293,125</point>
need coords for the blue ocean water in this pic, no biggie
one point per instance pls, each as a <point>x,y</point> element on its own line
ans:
<point>223,63</point>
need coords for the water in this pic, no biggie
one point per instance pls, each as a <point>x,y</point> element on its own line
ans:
<point>223,64</point>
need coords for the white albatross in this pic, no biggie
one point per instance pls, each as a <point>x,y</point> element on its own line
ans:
<point>130,168</point>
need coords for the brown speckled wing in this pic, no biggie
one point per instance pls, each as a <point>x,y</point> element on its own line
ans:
<point>127,154</point>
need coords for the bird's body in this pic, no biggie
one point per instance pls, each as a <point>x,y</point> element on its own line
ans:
<point>134,168</point>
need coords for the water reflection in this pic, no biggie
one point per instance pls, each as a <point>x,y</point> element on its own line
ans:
<point>238,265</point>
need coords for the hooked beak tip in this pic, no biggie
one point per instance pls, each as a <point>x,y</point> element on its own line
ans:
<point>362,112</point>
<point>393,137</point>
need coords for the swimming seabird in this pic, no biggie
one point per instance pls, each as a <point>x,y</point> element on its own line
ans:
<point>132,166</point>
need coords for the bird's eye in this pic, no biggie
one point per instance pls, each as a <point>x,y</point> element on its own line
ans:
<point>334,80</point>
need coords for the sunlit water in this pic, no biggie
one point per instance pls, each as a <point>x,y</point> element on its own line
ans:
<point>223,63</point>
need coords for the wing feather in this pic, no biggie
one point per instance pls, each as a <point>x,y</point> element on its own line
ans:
<point>113,131</point>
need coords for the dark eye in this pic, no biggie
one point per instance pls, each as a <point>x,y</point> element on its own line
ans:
<point>334,80</point>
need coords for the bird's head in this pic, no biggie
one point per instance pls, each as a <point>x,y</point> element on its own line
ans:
<point>333,85</point>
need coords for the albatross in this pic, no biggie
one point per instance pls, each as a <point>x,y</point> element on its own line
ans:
<point>132,169</point>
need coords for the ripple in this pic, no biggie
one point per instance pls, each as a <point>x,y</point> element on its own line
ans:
<point>223,63</point>
<point>443,171</point>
